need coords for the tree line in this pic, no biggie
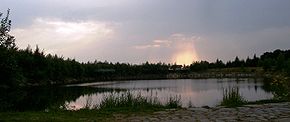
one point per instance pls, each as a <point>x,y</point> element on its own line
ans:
<point>278,60</point>
<point>23,67</point>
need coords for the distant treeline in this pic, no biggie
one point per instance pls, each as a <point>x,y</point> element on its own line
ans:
<point>278,60</point>
<point>22,67</point>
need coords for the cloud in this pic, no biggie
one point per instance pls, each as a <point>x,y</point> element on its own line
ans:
<point>147,46</point>
<point>63,37</point>
<point>227,46</point>
<point>154,44</point>
<point>165,43</point>
<point>176,48</point>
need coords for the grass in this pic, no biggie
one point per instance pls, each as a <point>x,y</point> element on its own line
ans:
<point>173,102</point>
<point>113,104</point>
<point>232,98</point>
<point>129,102</point>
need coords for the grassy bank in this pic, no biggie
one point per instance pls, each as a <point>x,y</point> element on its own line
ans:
<point>112,104</point>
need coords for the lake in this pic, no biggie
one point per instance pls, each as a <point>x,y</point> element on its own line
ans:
<point>194,92</point>
<point>197,92</point>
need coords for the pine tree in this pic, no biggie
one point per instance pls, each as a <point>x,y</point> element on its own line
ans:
<point>6,40</point>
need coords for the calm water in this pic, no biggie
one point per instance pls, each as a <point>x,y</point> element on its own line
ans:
<point>197,92</point>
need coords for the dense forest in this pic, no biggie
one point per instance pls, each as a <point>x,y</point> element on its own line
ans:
<point>23,67</point>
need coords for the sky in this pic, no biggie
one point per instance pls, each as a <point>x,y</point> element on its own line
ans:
<point>136,31</point>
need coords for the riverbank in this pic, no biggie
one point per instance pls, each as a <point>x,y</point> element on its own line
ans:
<point>262,112</point>
<point>213,74</point>
<point>278,112</point>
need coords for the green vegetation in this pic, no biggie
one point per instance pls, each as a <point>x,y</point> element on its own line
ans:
<point>232,98</point>
<point>129,102</point>
<point>125,104</point>
<point>278,83</point>
<point>174,102</point>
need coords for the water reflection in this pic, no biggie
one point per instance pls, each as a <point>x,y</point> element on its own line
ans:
<point>41,98</point>
<point>193,92</point>
<point>198,92</point>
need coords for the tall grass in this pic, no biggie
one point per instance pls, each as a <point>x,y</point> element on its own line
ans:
<point>127,101</point>
<point>232,98</point>
<point>173,102</point>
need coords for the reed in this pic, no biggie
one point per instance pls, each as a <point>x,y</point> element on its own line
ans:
<point>127,101</point>
<point>232,98</point>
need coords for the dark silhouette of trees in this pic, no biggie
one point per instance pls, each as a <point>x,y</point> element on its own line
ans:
<point>9,69</point>
<point>275,61</point>
<point>199,66</point>
<point>252,62</point>
<point>218,64</point>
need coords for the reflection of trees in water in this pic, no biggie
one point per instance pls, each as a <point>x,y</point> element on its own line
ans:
<point>36,98</point>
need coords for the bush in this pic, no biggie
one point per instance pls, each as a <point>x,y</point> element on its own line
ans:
<point>281,86</point>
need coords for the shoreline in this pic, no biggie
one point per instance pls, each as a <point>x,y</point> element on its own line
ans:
<point>170,76</point>
<point>100,83</point>
<point>279,112</point>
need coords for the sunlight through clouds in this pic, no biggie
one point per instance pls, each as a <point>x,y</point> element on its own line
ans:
<point>181,48</point>
<point>185,51</point>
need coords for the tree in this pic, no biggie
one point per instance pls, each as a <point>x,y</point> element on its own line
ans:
<point>199,66</point>
<point>236,62</point>
<point>9,71</point>
<point>6,40</point>
<point>219,64</point>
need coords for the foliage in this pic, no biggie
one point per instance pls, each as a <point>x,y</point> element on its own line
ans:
<point>280,86</point>
<point>9,74</point>
<point>199,66</point>
<point>276,61</point>
<point>6,40</point>
<point>232,98</point>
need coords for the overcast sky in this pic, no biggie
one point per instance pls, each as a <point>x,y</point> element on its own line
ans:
<point>136,31</point>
